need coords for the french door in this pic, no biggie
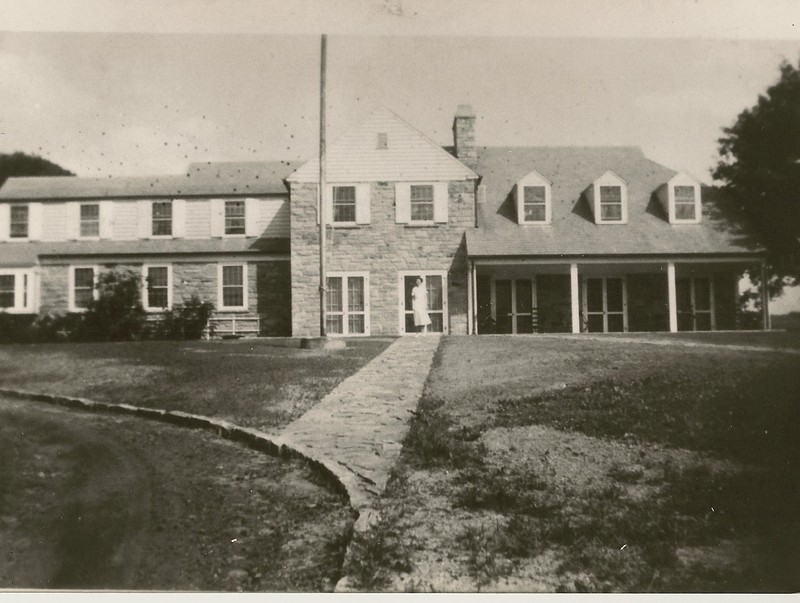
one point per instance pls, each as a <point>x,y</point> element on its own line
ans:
<point>515,306</point>
<point>435,282</point>
<point>694,296</point>
<point>605,304</point>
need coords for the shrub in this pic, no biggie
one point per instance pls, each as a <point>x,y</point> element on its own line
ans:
<point>16,328</point>
<point>117,313</point>
<point>183,322</point>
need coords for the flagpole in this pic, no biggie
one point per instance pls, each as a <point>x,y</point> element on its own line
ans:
<point>322,188</point>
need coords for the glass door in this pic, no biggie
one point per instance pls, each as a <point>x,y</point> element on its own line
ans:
<point>694,297</point>
<point>514,306</point>
<point>434,284</point>
<point>604,304</point>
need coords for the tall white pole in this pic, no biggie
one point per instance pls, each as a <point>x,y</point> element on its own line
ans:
<point>321,190</point>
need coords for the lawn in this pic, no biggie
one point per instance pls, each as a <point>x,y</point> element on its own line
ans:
<point>561,464</point>
<point>256,383</point>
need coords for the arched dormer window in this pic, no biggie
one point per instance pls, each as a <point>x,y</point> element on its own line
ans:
<point>533,196</point>
<point>608,196</point>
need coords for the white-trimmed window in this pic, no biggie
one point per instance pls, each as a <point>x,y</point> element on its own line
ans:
<point>19,227</point>
<point>681,199</point>
<point>232,287</point>
<point>609,198</point>
<point>383,140</point>
<point>347,303</point>
<point>162,219</point>
<point>533,196</point>
<point>344,204</point>
<point>89,220</point>
<point>435,283</point>
<point>235,217</point>
<point>82,287</point>
<point>157,288</point>
<point>16,291</point>
<point>685,203</point>
<point>421,202</point>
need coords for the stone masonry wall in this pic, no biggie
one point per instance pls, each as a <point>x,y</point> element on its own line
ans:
<point>383,248</point>
<point>268,290</point>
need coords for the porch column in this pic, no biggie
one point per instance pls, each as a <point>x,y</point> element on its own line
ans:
<point>765,298</point>
<point>573,286</point>
<point>475,298</point>
<point>672,298</point>
<point>470,317</point>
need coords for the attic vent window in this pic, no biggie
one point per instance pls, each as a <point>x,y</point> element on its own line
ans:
<point>383,140</point>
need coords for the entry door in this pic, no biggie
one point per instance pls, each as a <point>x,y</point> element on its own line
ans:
<point>694,297</point>
<point>605,304</point>
<point>436,286</point>
<point>514,306</point>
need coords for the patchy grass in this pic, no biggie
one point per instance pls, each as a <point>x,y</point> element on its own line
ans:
<point>251,382</point>
<point>604,466</point>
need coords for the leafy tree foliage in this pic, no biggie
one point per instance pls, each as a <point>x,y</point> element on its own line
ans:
<point>21,164</point>
<point>117,313</point>
<point>760,167</point>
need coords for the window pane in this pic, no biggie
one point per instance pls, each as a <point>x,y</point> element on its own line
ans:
<point>611,212</point>
<point>610,203</point>
<point>684,211</point>
<point>234,217</point>
<point>232,276</point>
<point>335,294</point>
<point>615,323</point>
<point>158,287</point>
<point>7,291</point>
<point>610,194</point>
<point>684,194</point>
<point>233,286</point>
<point>437,323</point>
<point>595,323</point>
<point>333,324</point>
<point>158,277</point>
<point>614,294</point>
<point>355,323</point>
<point>90,211</point>
<point>594,295</point>
<point>19,221</point>
<point>702,294</point>
<point>434,285</point>
<point>84,277</point>
<point>534,194</point>
<point>535,213</point>
<point>703,321</point>
<point>355,294</point>
<point>344,203</point>
<point>232,297</point>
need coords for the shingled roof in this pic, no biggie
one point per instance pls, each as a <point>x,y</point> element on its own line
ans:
<point>201,179</point>
<point>573,231</point>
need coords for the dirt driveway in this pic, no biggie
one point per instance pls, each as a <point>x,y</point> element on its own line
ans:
<point>94,501</point>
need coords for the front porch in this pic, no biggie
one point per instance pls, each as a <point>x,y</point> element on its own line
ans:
<point>609,295</point>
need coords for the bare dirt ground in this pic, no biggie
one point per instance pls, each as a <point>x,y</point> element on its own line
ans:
<point>106,502</point>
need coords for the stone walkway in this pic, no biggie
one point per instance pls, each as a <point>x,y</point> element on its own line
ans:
<point>359,427</point>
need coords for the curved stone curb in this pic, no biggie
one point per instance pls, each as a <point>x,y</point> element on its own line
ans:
<point>276,446</point>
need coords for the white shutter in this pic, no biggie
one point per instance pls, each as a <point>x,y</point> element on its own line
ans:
<point>179,218</point>
<point>106,219</point>
<point>402,202</point>
<point>252,217</point>
<point>217,217</point>
<point>35,221</point>
<point>441,199</point>
<point>5,221</point>
<point>145,229</point>
<point>363,203</point>
<point>73,229</point>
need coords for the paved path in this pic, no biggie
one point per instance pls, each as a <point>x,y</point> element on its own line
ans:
<point>361,424</point>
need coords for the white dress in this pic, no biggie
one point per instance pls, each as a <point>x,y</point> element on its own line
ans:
<point>419,303</point>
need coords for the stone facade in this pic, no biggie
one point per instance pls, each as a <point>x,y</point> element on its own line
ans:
<point>268,289</point>
<point>383,248</point>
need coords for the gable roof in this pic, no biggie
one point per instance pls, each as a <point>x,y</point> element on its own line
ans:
<point>572,231</point>
<point>409,157</point>
<point>201,179</point>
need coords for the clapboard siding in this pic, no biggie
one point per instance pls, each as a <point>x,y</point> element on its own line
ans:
<point>198,219</point>
<point>273,218</point>
<point>54,221</point>
<point>126,218</point>
<point>408,157</point>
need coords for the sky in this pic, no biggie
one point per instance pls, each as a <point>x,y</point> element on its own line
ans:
<point>104,90</point>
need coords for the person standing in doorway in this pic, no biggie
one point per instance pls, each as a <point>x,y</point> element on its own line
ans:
<point>419,304</point>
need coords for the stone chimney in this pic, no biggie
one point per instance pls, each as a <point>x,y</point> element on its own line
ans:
<point>464,136</point>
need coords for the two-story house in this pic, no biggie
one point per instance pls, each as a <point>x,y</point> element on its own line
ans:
<point>219,231</point>
<point>506,240</point>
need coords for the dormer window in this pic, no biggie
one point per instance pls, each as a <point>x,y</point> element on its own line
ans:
<point>608,196</point>
<point>533,194</point>
<point>383,140</point>
<point>680,198</point>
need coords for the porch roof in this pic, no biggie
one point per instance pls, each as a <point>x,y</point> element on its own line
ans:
<point>572,230</point>
<point>30,253</point>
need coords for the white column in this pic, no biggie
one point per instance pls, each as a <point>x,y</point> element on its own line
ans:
<point>475,298</point>
<point>672,298</point>
<point>469,299</point>
<point>573,286</point>
<point>765,298</point>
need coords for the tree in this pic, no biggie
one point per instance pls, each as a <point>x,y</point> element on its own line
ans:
<point>116,314</point>
<point>21,164</point>
<point>760,167</point>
